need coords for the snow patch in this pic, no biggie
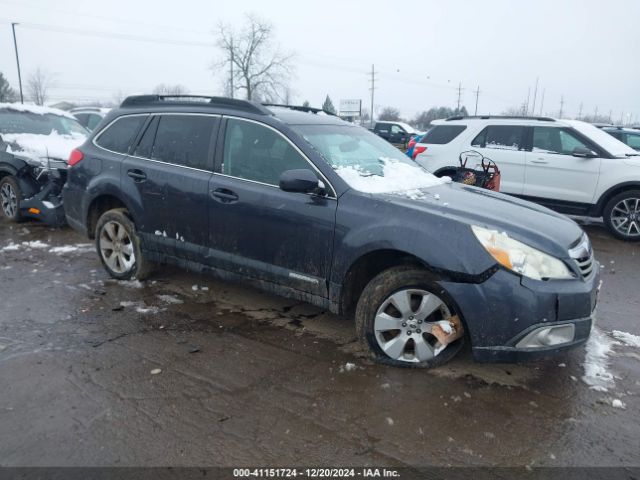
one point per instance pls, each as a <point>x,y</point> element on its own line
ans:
<point>445,325</point>
<point>38,148</point>
<point>396,176</point>
<point>148,309</point>
<point>616,403</point>
<point>348,367</point>
<point>170,299</point>
<point>38,110</point>
<point>629,339</point>
<point>596,361</point>
<point>131,283</point>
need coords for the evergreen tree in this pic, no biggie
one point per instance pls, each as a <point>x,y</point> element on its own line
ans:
<point>7,94</point>
<point>327,106</point>
<point>306,104</point>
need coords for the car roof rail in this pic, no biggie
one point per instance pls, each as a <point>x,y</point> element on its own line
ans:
<point>503,117</point>
<point>222,102</point>
<point>299,108</point>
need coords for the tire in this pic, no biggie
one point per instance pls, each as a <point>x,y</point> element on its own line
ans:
<point>118,246</point>
<point>374,303</point>
<point>621,215</point>
<point>10,196</point>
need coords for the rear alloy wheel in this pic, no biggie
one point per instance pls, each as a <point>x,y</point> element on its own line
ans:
<point>405,318</point>
<point>10,199</point>
<point>118,245</point>
<point>622,215</point>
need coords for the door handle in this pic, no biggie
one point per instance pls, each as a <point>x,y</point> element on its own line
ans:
<point>137,175</point>
<point>539,160</point>
<point>224,195</point>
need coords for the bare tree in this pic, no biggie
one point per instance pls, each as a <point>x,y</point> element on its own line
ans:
<point>255,64</point>
<point>176,89</point>
<point>38,85</point>
<point>390,114</point>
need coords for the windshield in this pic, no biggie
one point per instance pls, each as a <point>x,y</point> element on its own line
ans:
<point>12,121</point>
<point>364,160</point>
<point>612,145</point>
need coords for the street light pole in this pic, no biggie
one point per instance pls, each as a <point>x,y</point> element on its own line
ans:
<point>15,45</point>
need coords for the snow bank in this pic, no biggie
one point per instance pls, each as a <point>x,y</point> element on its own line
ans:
<point>596,361</point>
<point>396,177</point>
<point>17,246</point>
<point>628,339</point>
<point>18,107</point>
<point>40,147</point>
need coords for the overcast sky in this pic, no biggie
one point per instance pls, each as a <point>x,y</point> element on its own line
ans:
<point>584,50</point>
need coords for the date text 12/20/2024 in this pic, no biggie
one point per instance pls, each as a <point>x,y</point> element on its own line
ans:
<point>315,473</point>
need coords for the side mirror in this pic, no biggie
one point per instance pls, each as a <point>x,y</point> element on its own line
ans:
<point>583,152</point>
<point>300,181</point>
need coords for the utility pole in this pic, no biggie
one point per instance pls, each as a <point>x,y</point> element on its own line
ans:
<point>459,96</point>
<point>542,101</point>
<point>477,95</point>
<point>610,116</point>
<point>15,46</point>
<point>372,88</point>
<point>526,104</point>
<point>535,94</point>
<point>231,71</point>
<point>580,111</point>
<point>561,106</point>
<point>595,115</point>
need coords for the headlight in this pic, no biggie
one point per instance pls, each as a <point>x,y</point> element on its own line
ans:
<point>519,257</point>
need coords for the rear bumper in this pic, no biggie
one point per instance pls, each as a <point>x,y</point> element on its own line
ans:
<point>504,309</point>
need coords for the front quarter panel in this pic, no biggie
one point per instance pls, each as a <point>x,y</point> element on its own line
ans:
<point>366,223</point>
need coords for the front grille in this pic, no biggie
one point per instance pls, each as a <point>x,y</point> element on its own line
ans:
<point>582,254</point>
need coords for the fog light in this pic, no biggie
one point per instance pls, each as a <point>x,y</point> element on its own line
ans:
<point>548,336</point>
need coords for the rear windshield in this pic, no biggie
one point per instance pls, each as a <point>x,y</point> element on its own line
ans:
<point>441,134</point>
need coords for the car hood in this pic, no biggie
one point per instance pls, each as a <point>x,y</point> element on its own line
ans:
<point>527,222</point>
<point>38,149</point>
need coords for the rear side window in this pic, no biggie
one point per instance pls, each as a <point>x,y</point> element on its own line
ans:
<point>92,121</point>
<point>500,137</point>
<point>442,134</point>
<point>121,133</point>
<point>184,140</point>
<point>83,118</point>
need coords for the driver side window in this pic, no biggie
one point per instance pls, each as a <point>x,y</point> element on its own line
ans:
<point>258,153</point>
<point>555,140</point>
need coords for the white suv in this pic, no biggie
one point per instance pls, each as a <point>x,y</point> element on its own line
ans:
<point>567,165</point>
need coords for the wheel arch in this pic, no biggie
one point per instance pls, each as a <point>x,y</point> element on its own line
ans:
<point>99,205</point>
<point>598,209</point>
<point>367,266</point>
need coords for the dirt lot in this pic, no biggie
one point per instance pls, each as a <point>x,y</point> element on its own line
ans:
<point>251,379</point>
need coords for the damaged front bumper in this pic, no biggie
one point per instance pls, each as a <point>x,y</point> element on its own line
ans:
<point>511,318</point>
<point>44,207</point>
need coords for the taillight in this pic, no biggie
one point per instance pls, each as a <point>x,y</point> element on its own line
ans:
<point>75,157</point>
<point>418,150</point>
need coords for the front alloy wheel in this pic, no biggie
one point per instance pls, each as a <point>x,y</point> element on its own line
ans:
<point>406,319</point>
<point>404,325</point>
<point>622,215</point>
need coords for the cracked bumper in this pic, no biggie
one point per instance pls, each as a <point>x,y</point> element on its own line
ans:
<point>501,311</point>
